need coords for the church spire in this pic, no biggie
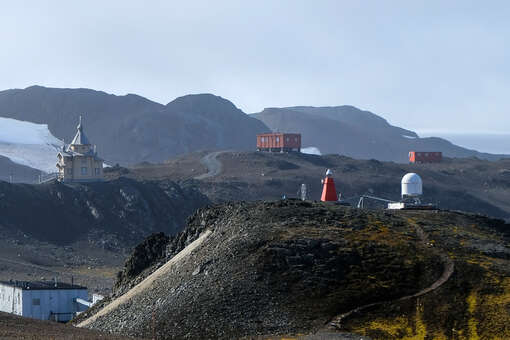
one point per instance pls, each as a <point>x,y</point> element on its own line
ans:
<point>80,138</point>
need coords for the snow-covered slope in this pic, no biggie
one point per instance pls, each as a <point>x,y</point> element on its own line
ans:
<point>29,144</point>
<point>312,150</point>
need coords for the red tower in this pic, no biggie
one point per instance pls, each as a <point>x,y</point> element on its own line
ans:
<point>328,189</point>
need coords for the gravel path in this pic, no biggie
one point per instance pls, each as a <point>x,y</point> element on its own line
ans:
<point>145,284</point>
<point>448,268</point>
<point>213,165</point>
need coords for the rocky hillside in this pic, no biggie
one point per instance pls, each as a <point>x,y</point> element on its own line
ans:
<point>352,132</point>
<point>120,212</point>
<point>84,232</point>
<point>131,129</point>
<point>288,267</point>
<point>462,184</point>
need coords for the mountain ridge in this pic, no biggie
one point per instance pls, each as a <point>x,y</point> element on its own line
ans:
<point>130,129</point>
<point>357,133</point>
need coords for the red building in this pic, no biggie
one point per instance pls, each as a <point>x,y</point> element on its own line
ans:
<point>425,157</point>
<point>278,141</point>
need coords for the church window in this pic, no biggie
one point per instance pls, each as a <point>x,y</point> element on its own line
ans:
<point>84,171</point>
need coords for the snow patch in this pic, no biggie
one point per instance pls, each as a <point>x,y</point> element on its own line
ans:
<point>29,144</point>
<point>408,137</point>
<point>311,150</point>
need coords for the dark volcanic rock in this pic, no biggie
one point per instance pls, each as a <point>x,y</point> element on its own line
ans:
<point>119,212</point>
<point>288,267</point>
<point>273,268</point>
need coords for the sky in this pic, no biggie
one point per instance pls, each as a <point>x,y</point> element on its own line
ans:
<point>423,65</point>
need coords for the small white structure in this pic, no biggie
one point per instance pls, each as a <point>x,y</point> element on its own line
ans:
<point>412,185</point>
<point>79,162</point>
<point>412,189</point>
<point>96,298</point>
<point>55,301</point>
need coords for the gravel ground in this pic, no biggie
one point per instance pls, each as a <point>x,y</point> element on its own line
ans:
<point>16,327</point>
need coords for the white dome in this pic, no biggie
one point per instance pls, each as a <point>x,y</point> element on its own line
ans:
<point>412,185</point>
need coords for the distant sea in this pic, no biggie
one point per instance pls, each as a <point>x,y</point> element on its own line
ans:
<point>498,143</point>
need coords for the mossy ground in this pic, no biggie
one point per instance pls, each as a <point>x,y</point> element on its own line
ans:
<point>473,304</point>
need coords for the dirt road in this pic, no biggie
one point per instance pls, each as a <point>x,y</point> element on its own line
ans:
<point>213,165</point>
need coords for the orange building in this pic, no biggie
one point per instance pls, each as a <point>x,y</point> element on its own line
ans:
<point>279,142</point>
<point>425,157</point>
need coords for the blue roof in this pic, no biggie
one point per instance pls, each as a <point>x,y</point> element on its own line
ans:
<point>80,138</point>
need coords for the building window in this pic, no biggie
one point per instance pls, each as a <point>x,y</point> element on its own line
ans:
<point>36,302</point>
<point>277,139</point>
<point>96,171</point>
<point>83,171</point>
<point>287,139</point>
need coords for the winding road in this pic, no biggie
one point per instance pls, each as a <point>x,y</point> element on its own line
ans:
<point>448,268</point>
<point>213,165</point>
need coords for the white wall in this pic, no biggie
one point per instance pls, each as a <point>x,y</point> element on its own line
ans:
<point>11,299</point>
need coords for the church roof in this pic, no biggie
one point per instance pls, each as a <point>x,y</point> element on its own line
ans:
<point>80,138</point>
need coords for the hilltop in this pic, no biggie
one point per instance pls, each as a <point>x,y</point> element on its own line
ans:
<point>288,267</point>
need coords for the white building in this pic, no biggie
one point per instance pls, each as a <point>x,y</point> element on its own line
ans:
<point>79,162</point>
<point>42,300</point>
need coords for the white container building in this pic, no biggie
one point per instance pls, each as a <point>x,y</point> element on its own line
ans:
<point>57,301</point>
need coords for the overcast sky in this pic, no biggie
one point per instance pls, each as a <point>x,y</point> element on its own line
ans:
<point>425,65</point>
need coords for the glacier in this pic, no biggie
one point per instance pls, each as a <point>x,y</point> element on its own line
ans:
<point>29,144</point>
